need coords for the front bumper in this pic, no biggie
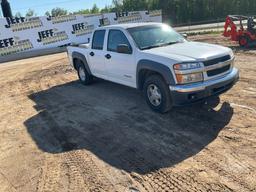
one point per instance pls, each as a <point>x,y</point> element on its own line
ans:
<point>187,94</point>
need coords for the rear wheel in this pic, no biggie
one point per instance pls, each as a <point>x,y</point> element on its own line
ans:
<point>157,94</point>
<point>244,41</point>
<point>84,77</point>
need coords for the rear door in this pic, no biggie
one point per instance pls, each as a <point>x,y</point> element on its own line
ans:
<point>120,66</point>
<point>96,55</point>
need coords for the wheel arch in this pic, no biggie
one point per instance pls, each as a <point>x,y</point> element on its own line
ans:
<point>79,58</point>
<point>146,68</point>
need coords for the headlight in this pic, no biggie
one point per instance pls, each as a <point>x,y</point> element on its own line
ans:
<point>189,78</point>
<point>188,72</point>
<point>187,66</point>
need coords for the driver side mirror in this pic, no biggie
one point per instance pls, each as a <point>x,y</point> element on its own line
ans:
<point>123,48</point>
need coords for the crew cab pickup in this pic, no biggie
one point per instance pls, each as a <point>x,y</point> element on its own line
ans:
<point>154,58</point>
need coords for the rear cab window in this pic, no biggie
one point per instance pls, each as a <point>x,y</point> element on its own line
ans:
<point>98,39</point>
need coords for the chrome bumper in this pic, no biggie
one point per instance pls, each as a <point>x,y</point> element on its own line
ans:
<point>234,74</point>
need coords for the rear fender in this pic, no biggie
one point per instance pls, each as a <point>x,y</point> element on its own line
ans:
<point>80,57</point>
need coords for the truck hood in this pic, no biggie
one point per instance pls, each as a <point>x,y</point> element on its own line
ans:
<point>190,51</point>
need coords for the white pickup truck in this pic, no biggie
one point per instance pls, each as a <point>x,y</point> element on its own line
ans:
<point>152,57</point>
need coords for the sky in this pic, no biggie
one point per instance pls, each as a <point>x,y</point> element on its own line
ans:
<point>40,7</point>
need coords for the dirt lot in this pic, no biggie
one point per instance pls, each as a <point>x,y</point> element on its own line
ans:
<point>57,135</point>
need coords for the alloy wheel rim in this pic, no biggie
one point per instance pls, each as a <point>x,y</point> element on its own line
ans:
<point>82,73</point>
<point>154,95</point>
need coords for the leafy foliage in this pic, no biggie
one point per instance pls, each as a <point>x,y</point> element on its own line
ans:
<point>18,14</point>
<point>185,11</point>
<point>57,12</point>
<point>30,13</point>
<point>174,11</point>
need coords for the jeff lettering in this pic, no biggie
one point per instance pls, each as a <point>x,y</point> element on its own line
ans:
<point>45,34</point>
<point>78,26</point>
<point>6,42</point>
<point>15,20</point>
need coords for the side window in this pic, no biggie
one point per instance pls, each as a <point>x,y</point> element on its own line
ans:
<point>116,37</point>
<point>98,39</point>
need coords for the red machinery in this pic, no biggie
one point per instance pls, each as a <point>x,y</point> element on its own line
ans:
<point>245,36</point>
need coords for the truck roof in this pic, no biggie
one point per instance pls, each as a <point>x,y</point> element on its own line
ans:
<point>129,25</point>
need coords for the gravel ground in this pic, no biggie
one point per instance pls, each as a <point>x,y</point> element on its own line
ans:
<point>57,135</point>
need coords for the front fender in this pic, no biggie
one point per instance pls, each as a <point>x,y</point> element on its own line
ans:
<point>154,66</point>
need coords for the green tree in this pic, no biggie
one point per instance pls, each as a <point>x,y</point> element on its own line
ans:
<point>175,11</point>
<point>82,11</point>
<point>185,11</point>
<point>18,14</point>
<point>135,5</point>
<point>30,13</point>
<point>106,9</point>
<point>47,13</point>
<point>95,9</point>
<point>56,12</point>
<point>118,5</point>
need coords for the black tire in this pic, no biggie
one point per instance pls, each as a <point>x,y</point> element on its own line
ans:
<point>244,41</point>
<point>83,75</point>
<point>162,105</point>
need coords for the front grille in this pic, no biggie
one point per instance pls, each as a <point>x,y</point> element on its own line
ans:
<point>217,60</point>
<point>213,72</point>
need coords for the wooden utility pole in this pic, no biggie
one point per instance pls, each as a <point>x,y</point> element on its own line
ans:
<point>6,8</point>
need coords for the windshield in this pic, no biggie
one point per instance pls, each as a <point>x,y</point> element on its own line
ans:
<point>151,36</point>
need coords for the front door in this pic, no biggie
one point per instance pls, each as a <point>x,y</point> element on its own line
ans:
<point>121,67</point>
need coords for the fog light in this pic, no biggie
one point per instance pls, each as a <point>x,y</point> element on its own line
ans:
<point>192,96</point>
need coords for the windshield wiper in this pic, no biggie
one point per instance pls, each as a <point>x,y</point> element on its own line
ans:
<point>159,45</point>
<point>150,47</point>
<point>171,43</point>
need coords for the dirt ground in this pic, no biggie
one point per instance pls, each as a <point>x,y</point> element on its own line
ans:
<point>57,135</point>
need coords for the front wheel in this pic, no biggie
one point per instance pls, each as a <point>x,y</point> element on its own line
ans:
<point>157,94</point>
<point>84,77</point>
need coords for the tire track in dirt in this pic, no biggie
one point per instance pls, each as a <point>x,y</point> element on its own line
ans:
<point>171,181</point>
<point>51,171</point>
<point>213,163</point>
<point>160,180</point>
<point>94,178</point>
<point>4,181</point>
<point>49,180</point>
<point>75,178</point>
<point>166,180</point>
<point>85,174</point>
